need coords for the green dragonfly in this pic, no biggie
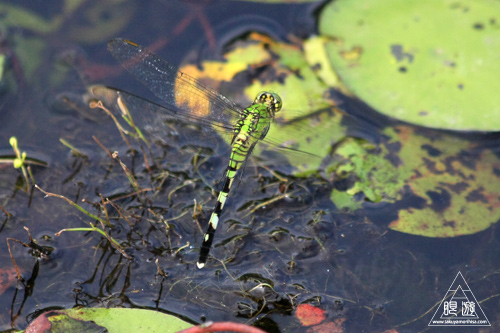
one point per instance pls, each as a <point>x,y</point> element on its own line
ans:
<point>187,99</point>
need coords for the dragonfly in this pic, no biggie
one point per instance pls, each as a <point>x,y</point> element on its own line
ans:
<point>188,99</point>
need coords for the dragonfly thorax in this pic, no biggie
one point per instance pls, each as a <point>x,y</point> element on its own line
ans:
<point>270,99</point>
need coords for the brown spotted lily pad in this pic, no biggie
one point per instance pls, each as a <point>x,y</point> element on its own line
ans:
<point>456,185</point>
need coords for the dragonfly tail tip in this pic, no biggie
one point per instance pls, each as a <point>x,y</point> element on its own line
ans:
<point>200,265</point>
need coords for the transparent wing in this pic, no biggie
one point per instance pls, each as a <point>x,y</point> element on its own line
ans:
<point>160,123</point>
<point>183,94</point>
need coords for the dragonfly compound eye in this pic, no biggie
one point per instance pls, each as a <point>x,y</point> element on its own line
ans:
<point>271,99</point>
<point>276,102</point>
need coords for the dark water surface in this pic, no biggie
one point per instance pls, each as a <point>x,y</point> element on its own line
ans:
<point>297,250</point>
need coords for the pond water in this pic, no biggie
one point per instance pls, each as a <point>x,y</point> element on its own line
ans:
<point>282,241</point>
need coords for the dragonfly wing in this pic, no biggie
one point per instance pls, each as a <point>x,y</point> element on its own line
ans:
<point>178,90</point>
<point>157,122</point>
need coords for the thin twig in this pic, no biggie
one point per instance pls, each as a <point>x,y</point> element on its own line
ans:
<point>48,194</point>
<point>122,131</point>
<point>12,257</point>
<point>270,201</point>
<point>5,212</point>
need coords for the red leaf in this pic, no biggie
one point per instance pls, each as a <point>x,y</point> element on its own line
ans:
<point>309,315</point>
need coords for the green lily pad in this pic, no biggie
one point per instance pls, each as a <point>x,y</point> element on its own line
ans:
<point>110,320</point>
<point>432,63</point>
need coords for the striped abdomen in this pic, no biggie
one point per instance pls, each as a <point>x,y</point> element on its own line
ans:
<point>250,128</point>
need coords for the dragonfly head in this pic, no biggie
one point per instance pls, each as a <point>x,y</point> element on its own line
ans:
<point>270,99</point>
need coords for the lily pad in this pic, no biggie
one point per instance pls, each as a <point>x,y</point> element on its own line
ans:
<point>454,185</point>
<point>109,320</point>
<point>432,63</point>
<point>447,186</point>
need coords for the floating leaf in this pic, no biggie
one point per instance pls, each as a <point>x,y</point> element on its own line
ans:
<point>432,63</point>
<point>309,315</point>
<point>110,320</point>
<point>362,171</point>
<point>455,185</point>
